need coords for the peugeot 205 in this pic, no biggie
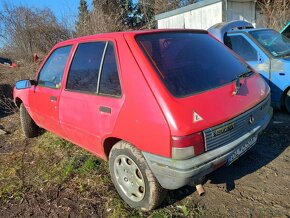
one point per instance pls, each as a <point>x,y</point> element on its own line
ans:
<point>164,107</point>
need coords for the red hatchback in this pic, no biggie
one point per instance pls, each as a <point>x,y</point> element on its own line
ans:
<point>164,107</point>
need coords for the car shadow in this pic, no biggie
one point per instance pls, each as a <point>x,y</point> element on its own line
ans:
<point>271,143</point>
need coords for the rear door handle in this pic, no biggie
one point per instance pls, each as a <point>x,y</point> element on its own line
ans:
<point>53,98</point>
<point>105,109</point>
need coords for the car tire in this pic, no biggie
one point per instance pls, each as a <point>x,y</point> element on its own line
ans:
<point>287,101</point>
<point>133,179</point>
<point>29,127</point>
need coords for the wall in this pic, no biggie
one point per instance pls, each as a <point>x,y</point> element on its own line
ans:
<point>200,18</point>
<point>241,10</point>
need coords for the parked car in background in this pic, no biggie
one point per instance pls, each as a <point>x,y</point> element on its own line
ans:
<point>7,62</point>
<point>266,50</point>
<point>163,113</point>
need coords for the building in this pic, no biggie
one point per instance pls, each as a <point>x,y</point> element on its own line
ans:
<point>205,13</point>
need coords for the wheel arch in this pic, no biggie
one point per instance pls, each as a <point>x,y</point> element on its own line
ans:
<point>108,145</point>
<point>282,100</point>
<point>18,102</point>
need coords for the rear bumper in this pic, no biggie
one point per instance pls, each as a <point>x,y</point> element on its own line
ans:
<point>173,174</point>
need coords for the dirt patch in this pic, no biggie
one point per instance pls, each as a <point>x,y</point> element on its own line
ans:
<point>49,177</point>
<point>257,184</point>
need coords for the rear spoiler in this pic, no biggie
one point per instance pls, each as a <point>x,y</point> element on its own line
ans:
<point>220,29</point>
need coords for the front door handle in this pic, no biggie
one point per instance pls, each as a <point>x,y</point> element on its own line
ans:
<point>53,98</point>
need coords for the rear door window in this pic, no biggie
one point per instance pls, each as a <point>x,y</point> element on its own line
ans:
<point>242,47</point>
<point>84,71</point>
<point>189,63</point>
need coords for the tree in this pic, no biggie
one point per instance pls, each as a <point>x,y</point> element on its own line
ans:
<point>276,13</point>
<point>26,31</point>
<point>82,26</point>
<point>119,15</point>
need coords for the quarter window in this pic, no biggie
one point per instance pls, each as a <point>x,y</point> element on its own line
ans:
<point>84,71</point>
<point>242,47</point>
<point>110,83</point>
<point>52,71</point>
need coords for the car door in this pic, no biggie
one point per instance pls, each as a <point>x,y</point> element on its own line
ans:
<point>81,105</point>
<point>44,96</point>
<point>250,52</point>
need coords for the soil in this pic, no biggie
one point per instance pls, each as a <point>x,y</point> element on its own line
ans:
<point>256,185</point>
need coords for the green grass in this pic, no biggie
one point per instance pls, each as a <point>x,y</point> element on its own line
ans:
<point>49,163</point>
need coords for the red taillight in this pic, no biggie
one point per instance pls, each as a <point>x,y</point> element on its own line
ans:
<point>185,147</point>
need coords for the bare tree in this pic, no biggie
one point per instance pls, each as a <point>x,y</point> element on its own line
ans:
<point>26,31</point>
<point>275,13</point>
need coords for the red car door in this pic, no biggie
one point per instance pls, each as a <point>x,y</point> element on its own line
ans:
<point>44,97</point>
<point>81,108</point>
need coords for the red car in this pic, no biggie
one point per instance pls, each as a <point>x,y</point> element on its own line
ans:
<point>164,107</point>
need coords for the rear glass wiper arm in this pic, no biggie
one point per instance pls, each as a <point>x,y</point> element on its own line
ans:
<point>238,77</point>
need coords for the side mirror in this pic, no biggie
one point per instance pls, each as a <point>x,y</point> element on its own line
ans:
<point>24,84</point>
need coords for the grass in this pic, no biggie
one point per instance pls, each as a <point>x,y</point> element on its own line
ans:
<point>50,164</point>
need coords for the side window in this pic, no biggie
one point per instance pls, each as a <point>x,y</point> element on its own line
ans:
<point>110,82</point>
<point>52,71</point>
<point>84,70</point>
<point>242,47</point>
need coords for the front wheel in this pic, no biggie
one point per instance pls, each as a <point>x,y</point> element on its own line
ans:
<point>29,127</point>
<point>287,101</point>
<point>133,178</point>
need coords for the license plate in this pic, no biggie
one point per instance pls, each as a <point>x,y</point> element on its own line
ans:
<point>241,150</point>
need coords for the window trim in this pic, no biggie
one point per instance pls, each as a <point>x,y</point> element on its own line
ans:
<point>45,61</point>
<point>101,66</point>
<point>100,70</point>
<point>100,74</point>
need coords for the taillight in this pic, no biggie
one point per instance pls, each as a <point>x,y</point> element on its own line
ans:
<point>185,147</point>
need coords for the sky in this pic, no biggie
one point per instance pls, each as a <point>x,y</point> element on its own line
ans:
<point>62,8</point>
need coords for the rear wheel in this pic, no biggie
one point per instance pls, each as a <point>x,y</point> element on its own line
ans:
<point>287,101</point>
<point>133,178</point>
<point>29,127</point>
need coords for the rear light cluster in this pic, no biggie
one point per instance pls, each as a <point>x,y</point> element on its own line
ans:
<point>186,147</point>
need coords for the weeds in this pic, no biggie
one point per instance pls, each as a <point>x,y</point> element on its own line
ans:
<point>59,170</point>
<point>7,105</point>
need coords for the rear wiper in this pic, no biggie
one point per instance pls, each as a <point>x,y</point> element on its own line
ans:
<point>239,77</point>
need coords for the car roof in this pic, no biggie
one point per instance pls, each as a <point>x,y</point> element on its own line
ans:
<point>219,30</point>
<point>124,34</point>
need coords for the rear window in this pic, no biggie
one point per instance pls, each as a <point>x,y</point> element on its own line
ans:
<point>189,63</point>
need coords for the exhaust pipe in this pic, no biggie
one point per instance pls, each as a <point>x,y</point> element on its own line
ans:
<point>200,190</point>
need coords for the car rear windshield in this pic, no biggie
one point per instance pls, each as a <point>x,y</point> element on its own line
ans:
<point>189,62</point>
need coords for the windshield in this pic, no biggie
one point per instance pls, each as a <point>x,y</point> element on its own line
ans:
<point>189,63</point>
<point>278,45</point>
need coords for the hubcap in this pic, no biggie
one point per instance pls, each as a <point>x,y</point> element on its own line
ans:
<point>129,178</point>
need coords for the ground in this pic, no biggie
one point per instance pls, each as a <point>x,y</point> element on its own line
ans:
<point>49,177</point>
